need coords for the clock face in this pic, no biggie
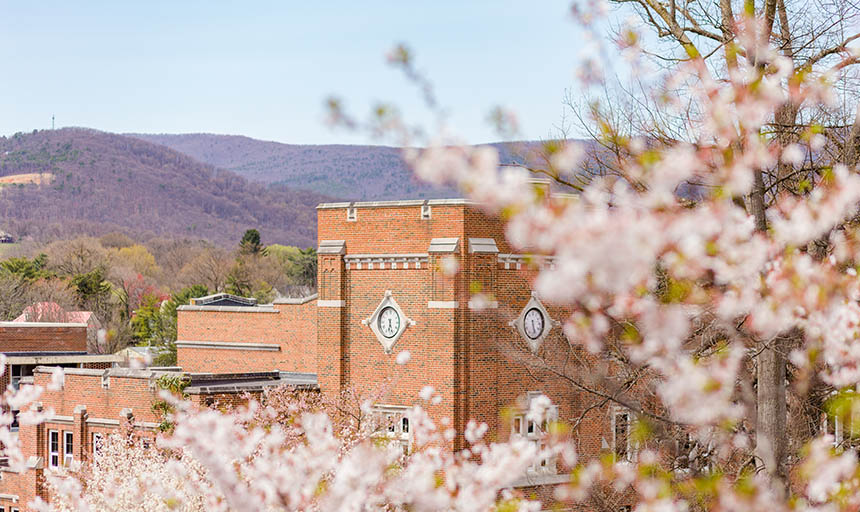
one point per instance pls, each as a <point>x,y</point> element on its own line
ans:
<point>533,323</point>
<point>389,322</point>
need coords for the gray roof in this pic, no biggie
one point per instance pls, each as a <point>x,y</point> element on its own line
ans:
<point>210,383</point>
<point>224,299</point>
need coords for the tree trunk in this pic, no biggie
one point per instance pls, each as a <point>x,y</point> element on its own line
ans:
<point>770,434</point>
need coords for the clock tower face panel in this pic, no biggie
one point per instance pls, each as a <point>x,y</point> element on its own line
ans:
<point>389,322</point>
<point>533,323</point>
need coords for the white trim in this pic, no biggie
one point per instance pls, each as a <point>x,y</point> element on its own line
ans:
<point>380,261</point>
<point>68,456</point>
<point>382,204</point>
<point>516,261</point>
<point>70,420</point>
<point>43,324</point>
<point>223,345</point>
<point>96,439</point>
<point>485,304</point>
<point>372,321</point>
<point>295,300</point>
<point>483,245</point>
<point>51,453</point>
<point>518,323</point>
<point>11,497</point>
<point>102,422</point>
<point>532,480</point>
<point>442,304</point>
<point>48,360</point>
<point>444,245</point>
<point>332,247</point>
<point>263,308</point>
<point>331,303</point>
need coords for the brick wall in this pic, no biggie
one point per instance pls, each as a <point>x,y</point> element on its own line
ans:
<point>23,337</point>
<point>83,406</point>
<point>292,327</point>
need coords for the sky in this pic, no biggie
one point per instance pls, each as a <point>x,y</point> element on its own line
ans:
<point>264,69</point>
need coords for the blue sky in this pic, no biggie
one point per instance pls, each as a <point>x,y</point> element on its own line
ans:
<point>263,69</point>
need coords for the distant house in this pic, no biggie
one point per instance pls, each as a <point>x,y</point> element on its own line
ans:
<point>6,238</point>
<point>53,312</point>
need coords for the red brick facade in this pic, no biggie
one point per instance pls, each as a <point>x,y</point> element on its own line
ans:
<point>472,357</point>
<point>282,337</point>
<point>88,404</point>
<point>369,253</point>
<point>35,337</point>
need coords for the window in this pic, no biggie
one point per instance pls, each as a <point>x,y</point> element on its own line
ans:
<point>97,443</point>
<point>18,372</point>
<point>393,422</point>
<point>623,445</point>
<point>13,509</point>
<point>15,375</point>
<point>535,433</point>
<point>53,448</point>
<point>68,448</point>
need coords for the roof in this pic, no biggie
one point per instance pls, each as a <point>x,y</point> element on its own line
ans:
<point>209,383</point>
<point>223,299</point>
<point>408,202</point>
<point>51,311</point>
<point>206,383</point>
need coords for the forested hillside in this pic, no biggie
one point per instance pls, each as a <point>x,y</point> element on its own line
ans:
<point>349,172</point>
<point>62,183</point>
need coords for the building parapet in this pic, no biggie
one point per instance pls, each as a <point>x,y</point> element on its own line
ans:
<point>48,359</point>
<point>296,300</point>
<point>262,308</point>
<point>384,204</point>
<point>42,324</point>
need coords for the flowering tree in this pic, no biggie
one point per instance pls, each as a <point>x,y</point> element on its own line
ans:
<point>705,293</point>
<point>285,456</point>
<point>692,261</point>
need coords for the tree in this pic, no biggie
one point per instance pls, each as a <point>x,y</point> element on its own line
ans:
<point>148,323</point>
<point>168,321</point>
<point>92,290</point>
<point>303,267</point>
<point>727,38</point>
<point>26,268</point>
<point>687,292</point>
<point>251,245</point>
<point>210,268</point>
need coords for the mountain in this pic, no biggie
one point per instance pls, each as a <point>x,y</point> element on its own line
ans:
<point>348,172</point>
<point>61,183</point>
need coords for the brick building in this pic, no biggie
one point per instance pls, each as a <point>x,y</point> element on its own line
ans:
<point>383,289</point>
<point>27,346</point>
<point>95,402</point>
